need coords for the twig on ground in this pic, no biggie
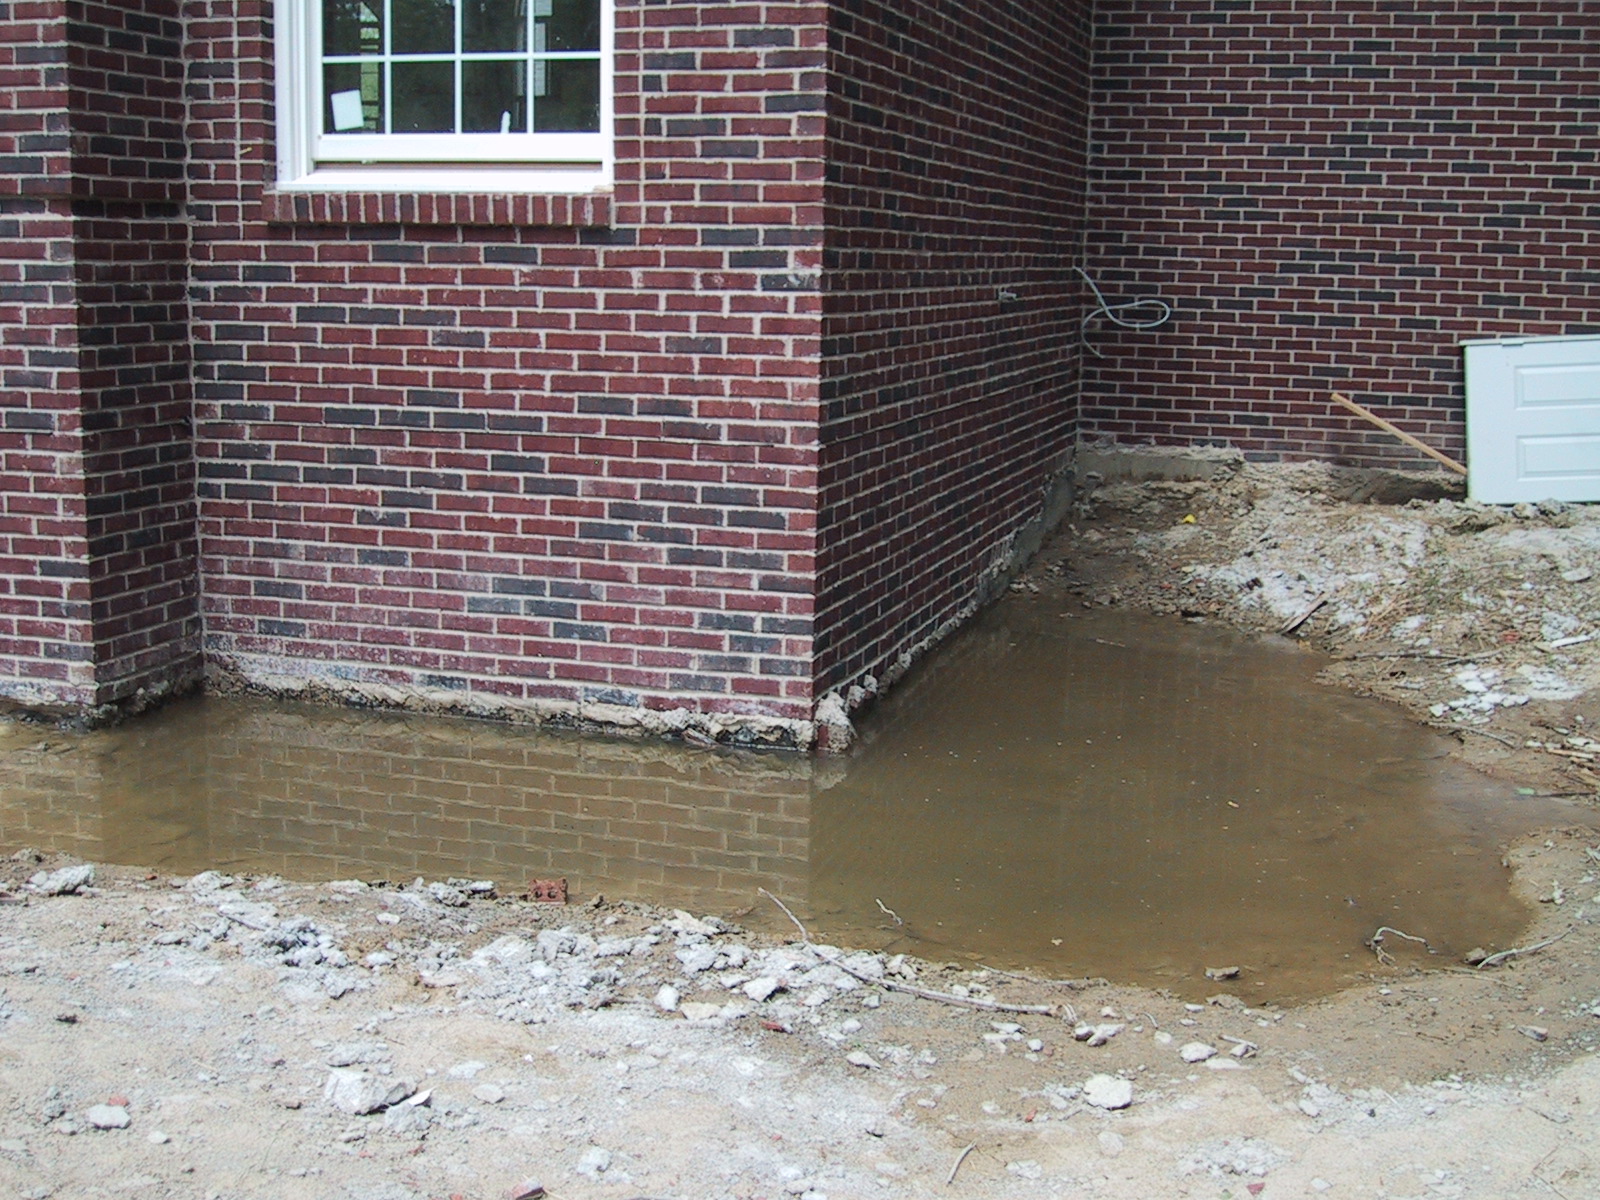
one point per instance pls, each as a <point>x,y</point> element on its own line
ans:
<point>887,911</point>
<point>1073,985</point>
<point>1495,960</point>
<point>1038,1010</point>
<point>1384,957</point>
<point>960,1158</point>
<point>1504,741</point>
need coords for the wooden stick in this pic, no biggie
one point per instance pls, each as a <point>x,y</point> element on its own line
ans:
<point>1295,622</point>
<point>1415,443</point>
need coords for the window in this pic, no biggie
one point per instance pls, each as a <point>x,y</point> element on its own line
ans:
<point>449,95</point>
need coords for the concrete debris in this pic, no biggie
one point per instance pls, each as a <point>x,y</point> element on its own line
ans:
<point>594,1162</point>
<point>449,896</point>
<point>63,882</point>
<point>1097,1035</point>
<point>761,989</point>
<point>1108,1092</point>
<point>108,1116</point>
<point>1196,1052</point>
<point>358,1093</point>
<point>1242,1156</point>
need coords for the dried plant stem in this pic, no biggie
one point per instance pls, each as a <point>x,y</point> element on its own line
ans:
<point>960,1158</point>
<point>1039,1010</point>
<point>1495,960</point>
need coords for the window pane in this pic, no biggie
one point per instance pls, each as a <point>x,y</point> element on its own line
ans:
<point>494,97</point>
<point>353,98</point>
<point>569,24</point>
<point>352,27</point>
<point>424,97</point>
<point>424,27</point>
<point>488,25</point>
<point>569,102</point>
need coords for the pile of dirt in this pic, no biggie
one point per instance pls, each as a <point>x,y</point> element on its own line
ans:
<point>1480,620</point>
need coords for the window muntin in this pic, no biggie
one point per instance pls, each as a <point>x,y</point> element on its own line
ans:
<point>442,84</point>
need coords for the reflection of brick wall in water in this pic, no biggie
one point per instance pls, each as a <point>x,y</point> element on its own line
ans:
<point>48,798</point>
<point>323,794</point>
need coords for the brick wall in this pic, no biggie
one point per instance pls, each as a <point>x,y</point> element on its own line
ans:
<point>131,262</point>
<point>1335,195</point>
<point>552,458</point>
<point>97,568</point>
<point>956,172</point>
<point>45,635</point>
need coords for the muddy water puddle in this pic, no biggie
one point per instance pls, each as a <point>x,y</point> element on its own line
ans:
<point>1071,795</point>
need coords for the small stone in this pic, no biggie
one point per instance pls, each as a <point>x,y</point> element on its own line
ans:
<point>594,1162</point>
<point>1537,1032</point>
<point>698,1010</point>
<point>467,1069</point>
<point>1107,1091</point>
<point>1220,973</point>
<point>488,1093</point>
<point>108,1116</point>
<point>1578,575</point>
<point>1320,1185</point>
<point>860,1058</point>
<point>1196,1052</point>
<point>157,1138</point>
<point>667,998</point>
<point>1162,1037</point>
<point>1310,1107</point>
<point>1025,1169</point>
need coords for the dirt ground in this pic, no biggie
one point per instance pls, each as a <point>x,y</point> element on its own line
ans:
<point>241,1037</point>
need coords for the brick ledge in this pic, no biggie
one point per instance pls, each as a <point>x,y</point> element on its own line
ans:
<point>435,208</point>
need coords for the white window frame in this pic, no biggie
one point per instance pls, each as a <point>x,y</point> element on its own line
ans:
<point>310,160</point>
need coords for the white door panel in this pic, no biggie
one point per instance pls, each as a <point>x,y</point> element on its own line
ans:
<point>1533,419</point>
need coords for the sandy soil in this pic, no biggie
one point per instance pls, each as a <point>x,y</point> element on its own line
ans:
<point>498,1046</point>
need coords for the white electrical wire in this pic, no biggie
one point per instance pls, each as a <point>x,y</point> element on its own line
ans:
<point>1163,312</point>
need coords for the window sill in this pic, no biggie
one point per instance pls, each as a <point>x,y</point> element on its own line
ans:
<point>357,205</point>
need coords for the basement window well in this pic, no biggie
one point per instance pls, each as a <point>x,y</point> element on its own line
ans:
<point>1533,419</point>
